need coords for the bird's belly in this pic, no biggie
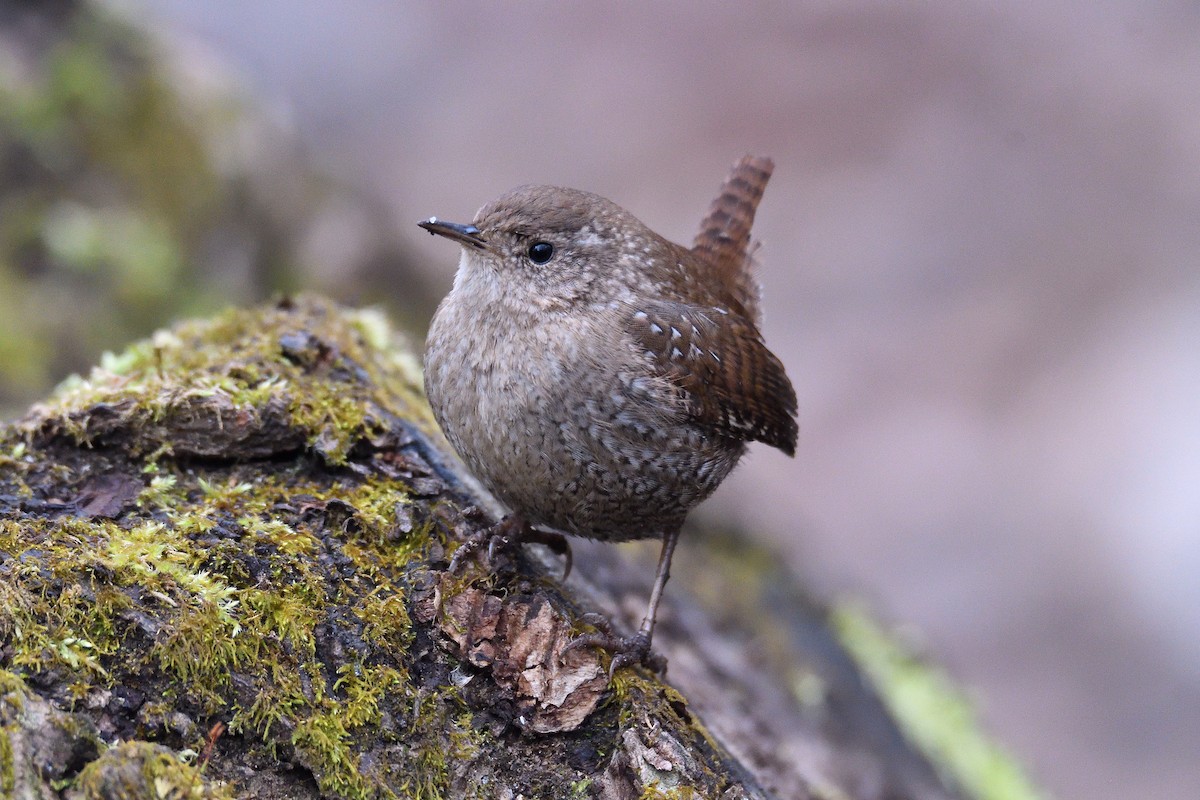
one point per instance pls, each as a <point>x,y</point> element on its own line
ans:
<point>596,453</point>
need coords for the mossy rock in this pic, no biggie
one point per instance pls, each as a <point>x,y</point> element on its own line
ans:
<point>230,541</point>
<point>224,573</point>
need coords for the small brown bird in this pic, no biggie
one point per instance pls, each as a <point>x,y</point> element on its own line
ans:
<point>600,380</point>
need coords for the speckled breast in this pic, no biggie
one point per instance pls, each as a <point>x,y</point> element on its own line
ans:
<point>588,446</point>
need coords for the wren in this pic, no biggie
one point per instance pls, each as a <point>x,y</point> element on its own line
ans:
<point>600,380</point>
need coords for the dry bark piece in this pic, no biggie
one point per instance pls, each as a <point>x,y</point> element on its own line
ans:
<point>108,495</point>
<point>520,641</point>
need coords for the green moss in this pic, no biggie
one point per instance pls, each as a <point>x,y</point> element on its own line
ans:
<point>397,372</point>
<point>162,494</point>
<point>289,540</point>
<point>333,421</point>
<point>933,711</point>
<point>217,623</point>
<point>462,744</point>
<point>325,743</point>
<point>145,771</point>
<point>386,622</point>
<point>654,792</point>
<point>14,455</point>
<point>8,779</point>
<point>326,739</point>
<point>218,626</point>
<point>12,704</point>
<point>200,654</point>
<point>232,366</point>
<point>362,688</point>
<point>72,628</point>
<point>155,555</point>
<point>289,612</point>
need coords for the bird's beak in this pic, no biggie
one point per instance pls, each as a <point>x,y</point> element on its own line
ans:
<point>466,235</point>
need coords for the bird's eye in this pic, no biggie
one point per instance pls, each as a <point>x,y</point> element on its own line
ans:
<point>540,252</point>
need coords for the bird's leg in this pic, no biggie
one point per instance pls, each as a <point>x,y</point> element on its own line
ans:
<point>633,649</point>
<point>507,535</point>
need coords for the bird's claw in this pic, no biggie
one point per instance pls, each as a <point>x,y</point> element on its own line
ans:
<point>625,650</point>
<point>507,536</point>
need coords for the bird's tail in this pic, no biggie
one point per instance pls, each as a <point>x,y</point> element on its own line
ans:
<point>724,238</point>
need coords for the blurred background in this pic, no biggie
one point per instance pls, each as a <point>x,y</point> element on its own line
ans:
<point>980,258</point>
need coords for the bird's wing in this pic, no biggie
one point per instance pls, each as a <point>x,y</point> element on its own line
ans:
<point>730,382</point>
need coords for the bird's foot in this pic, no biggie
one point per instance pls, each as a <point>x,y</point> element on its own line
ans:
<point>507,536</point>
<point>625,650</point>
